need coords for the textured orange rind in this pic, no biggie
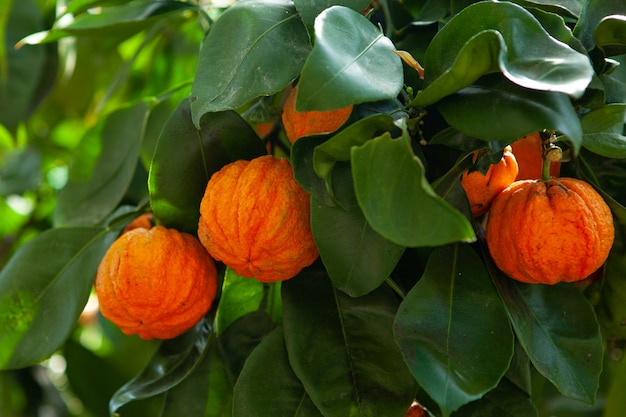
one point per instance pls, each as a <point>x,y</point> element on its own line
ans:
<point>549,232</point>
<point>255,218</point>
<point>156,283</point>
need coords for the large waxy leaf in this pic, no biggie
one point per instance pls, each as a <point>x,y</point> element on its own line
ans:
<point>310,9</point>
<point>241,296</point>
<point>174,360</point>
<point>185,158</point>
<point>342,348</point>
<point>121,20</point>
<point>258,383</point>
<point>357,259</point>
<point>558,329</point>
<point>500,36</point>
<point>251,65</point>
<point>349,53</point>
<point>603,130</point>
<point>433,326</point>
<point>43,290</point>
<point>595,11</point>
<point>102,167</point>
<point>20,70</point>
<point>610,35</point>
<point>496,109</point>
<point>506,400</point>
<point>396,199</point>
<point>207,391</point>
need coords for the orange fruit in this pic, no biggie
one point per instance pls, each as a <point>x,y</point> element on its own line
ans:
<point>255,218</point>
<point>298,124</point>
<point>144,220</point>
<point>528,152</point>
<point>416,410</point>
<point>156,283</point>
<point>481,188</point>
<point>548,232</point>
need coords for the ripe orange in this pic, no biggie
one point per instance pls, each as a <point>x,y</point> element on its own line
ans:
<point>481,188</point>
<point>548,232</point>
<point>144,220</point>
<point>528,153</point>
<point>156,283</point>
<point>255,218</point>
<point>298,124</point>
<point>416,410</point>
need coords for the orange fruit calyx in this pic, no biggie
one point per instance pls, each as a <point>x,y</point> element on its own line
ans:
<point>156,283</point>
<point>559,230</point>
<point>298,124</point>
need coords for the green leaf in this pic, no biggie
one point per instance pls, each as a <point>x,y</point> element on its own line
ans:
<point>506,400</point>
<point>185,158</point>
<point>266,373</point>
<point>340,69</point>
<point>342,348</point>
<point>239,58</point>
<point>496,109</point>
<point>558,329</point>
<point>396,199</point>
<point>311,9</point>
<point>569,8</point>
<point>20,171</point>
<point>20,69</point>
<point>338,147</point>
<point>616,402</point>
<point>603,128</point>
<point>122,21</point>
<point>174,360</point>
<point>102,167</point>
<point>456,354</point>
<point>500,36</point>
<point>302,157</point>
<point>207,391</point>
<point>611,310</point>
<point>610,145</point>
<point>241,296</point>
<point>357,259</point>
<point>594,11</point>
<point>44,288</point>
<point>610,35</point>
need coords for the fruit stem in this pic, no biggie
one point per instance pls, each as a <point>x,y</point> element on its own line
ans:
<point>545,170</point>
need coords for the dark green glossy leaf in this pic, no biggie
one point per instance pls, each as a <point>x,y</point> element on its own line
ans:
<point>20,171</point>
<point>610,145</point>
<point>595,11</point>
<point>607,119</point>
<point>500,36</point>
<point>608,174</point>
<point>302,160</point>
<point>342,348</point>
<point>20,69</point>
<point>433,326</point>
<point>559,331</point>
<point>44,288</point>
<point>102,167</point>
<point>207,391</point>
<point>396,199</point>
<point>310,9</point>
<point>239,59</point>
<point>338,147</point>
<point>340,69</point>
<point>255,393</point>
<point>610,35</point>
<point>174,360</point>
<point>241,296</point>
<point>357,259</point>
<point>496,109</point>
<point>123,21</point>
<point>506,400</point>
<point>570,8</point>
<point>611,310</point>
<point>185,158</point>
<point>238,341</point>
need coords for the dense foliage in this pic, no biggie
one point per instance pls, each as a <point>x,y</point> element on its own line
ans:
<point>111,108</point>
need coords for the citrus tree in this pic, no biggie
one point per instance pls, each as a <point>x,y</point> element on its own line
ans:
<point>111,109</point>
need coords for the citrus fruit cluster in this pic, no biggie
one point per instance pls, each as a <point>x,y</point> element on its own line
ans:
<point>254,217</point>
<point>539,230</point>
